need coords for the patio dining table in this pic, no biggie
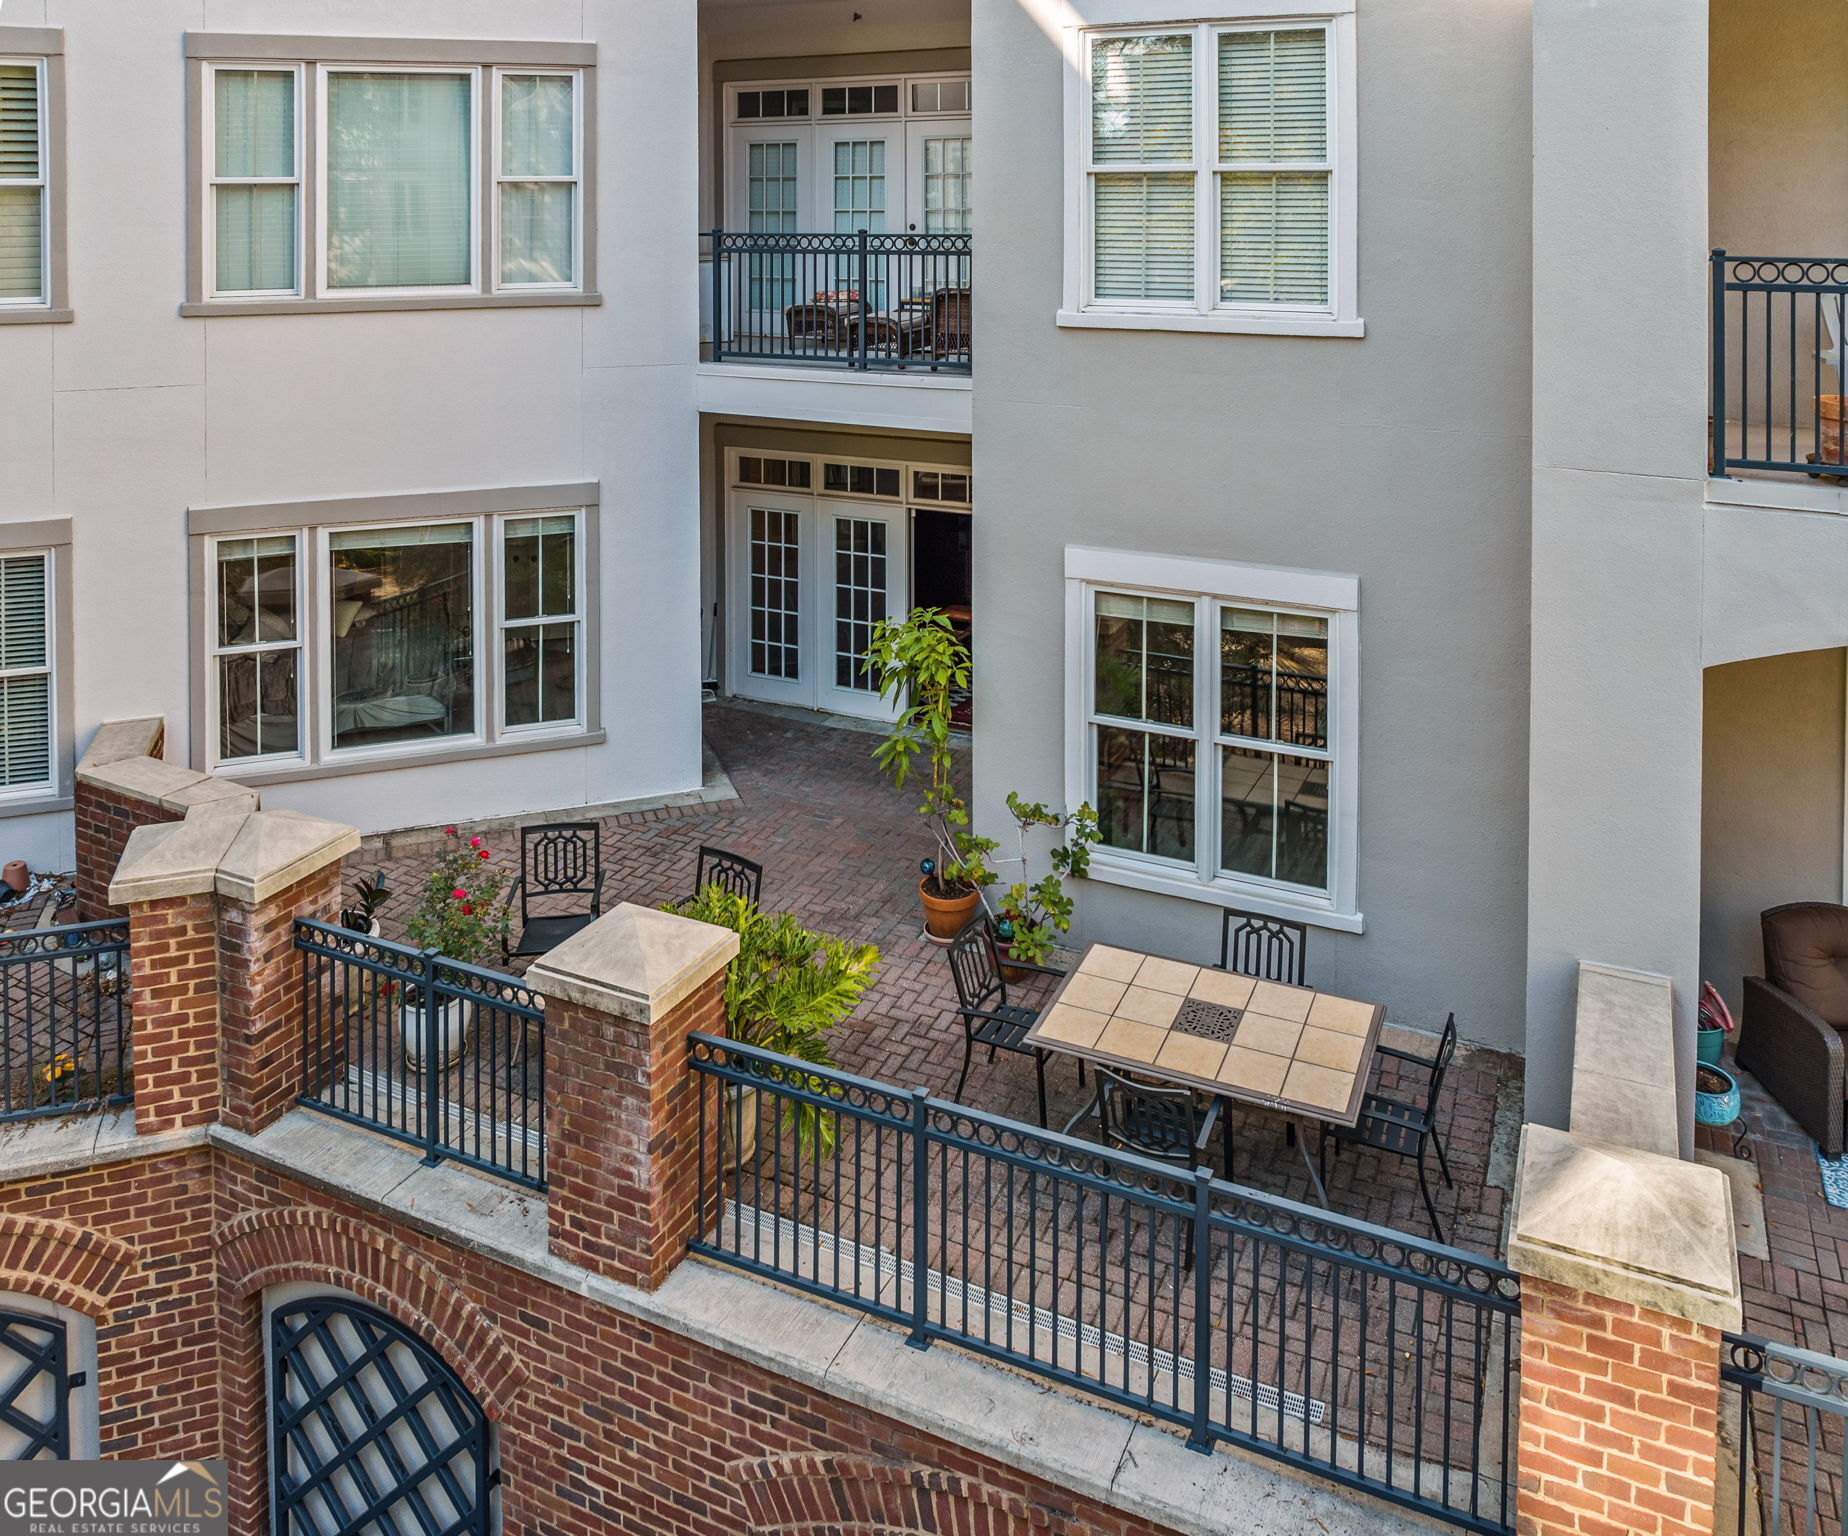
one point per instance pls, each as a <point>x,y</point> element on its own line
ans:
<point>1304,1053</point>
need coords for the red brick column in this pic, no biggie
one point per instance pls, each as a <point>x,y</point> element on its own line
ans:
<point>173,977</point>
<point>623,1143</point>
<point>1619,1417</point>
<point>261,996</point>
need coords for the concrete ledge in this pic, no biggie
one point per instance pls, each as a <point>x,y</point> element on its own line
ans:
<point>173,858</point>
<point>142,778</point>
<point>37,1149</point>
<point>1623,1060</point>
<point>634,961</point>
<point>274,849</point>
<point>1632,1225</point>
<point>117,739</point>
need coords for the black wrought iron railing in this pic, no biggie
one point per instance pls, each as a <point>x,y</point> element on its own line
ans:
<point>1778,391</point>
<point>64,1019</point>
<point>1354,1352</point>
<point>867,301</point>
<point>1785,1431</point>
<point>445,1056</point>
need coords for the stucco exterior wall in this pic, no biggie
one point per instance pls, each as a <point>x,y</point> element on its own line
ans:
<point>1771,809</point>
<point>124,418</point>
<point>1401,458</point>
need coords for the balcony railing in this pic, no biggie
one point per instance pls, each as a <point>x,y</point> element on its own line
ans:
<point>1778,393</point>
<point>64,1016</point>
<point>875,302</point>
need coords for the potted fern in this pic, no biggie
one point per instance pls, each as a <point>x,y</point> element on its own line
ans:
<point>786,990</point>
<point>461,916</point>
<point>922,667</point>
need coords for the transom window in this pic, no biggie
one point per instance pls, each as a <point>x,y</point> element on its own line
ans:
<point>24,185</point>
<point>1212,735</point>
<point>394,158</point>
<point>394,653</point>
<point>1213,159</point>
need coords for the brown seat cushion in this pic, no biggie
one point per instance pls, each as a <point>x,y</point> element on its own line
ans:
<point>1806,953</point>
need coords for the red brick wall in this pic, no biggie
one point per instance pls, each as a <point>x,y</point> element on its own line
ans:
<point>103,822</point>
<point>606,1425</point>
<point>1618,1419</point>
<point>173,975</point>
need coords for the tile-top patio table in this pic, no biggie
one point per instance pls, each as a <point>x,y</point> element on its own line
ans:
<point>1293,1049</point>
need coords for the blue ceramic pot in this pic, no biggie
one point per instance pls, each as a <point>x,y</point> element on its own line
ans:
<point>1707,1043</point>
<point>1719,1108</point>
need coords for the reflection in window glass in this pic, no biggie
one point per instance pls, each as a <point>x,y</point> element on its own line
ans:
<point>402,617</point>
<point>1145,658</point>
<point>539,635</point>
<point>1274,816</point>
<point>1145,792</point>
<point>259,645</point>
<point>1273,676</point>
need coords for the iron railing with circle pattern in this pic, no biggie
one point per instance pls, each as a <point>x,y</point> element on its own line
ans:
<point>64,1019</point>
<point>1777,334</point>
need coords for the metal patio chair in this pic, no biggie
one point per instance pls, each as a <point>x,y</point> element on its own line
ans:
<point>988,1018</point>
<point>1400,1127</point>
<point>1269,948</point>
<point>558,859</point>
<point>730,871</point>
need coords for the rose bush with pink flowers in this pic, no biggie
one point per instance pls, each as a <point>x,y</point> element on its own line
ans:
<point>460,913</point>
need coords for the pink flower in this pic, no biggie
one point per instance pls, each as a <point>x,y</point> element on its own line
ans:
<point>474,842</point>
<point>458,894</point>
<point>468,911</point>
<point>449,831</point>
<point>483,854</point>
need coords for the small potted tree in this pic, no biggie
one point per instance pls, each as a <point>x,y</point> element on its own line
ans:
<point>460,915</point>
<point>1034,915</point>
<point>922,667</point>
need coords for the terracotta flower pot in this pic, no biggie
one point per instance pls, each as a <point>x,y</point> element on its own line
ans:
<point>946,916</point>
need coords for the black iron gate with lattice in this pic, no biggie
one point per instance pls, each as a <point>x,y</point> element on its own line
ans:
<point>370,1431</point>
<point>35,1388</point>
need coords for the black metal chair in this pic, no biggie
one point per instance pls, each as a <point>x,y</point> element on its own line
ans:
<point>988,1017</point>
<point>560,859</point>
<point>730,871</point>
<point>1399,1127</point>
<point>1163,1123</point>
<point>1270,948</point>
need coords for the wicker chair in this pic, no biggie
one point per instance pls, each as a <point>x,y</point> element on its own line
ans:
<point>949,325</point>
<point>1790,1037</point>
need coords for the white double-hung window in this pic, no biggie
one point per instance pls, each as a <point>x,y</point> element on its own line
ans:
<point>338,181</point>
<point>1212,177</point>
<point>1213,727</point>
<point>25,254</point>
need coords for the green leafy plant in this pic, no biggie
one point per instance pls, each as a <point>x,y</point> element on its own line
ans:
<point>1034,913</point>
<point>370,892</point>
<point>921,667</point>
<point>460,913</point>
<point>787,989</point>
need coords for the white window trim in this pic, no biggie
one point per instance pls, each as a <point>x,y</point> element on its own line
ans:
<point>502,624</point>
<point>1106,18</point>
<point>217,651</point>
<point>42,181</point>
<point>575,180</point>
<point>14,793</point>
<point>213,181</point>
<point>1336,597</point>
<point>314,681</point>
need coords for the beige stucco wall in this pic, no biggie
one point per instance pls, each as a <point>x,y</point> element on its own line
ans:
<point>1771,806</point>
<point>1778,126</point>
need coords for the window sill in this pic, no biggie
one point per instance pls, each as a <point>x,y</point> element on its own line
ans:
<point>232,307</point>
<point>43,805</point>
<point>1227,325</point>
<point>1141,878</point>
<point>257,777</point>
<point>37,316</point>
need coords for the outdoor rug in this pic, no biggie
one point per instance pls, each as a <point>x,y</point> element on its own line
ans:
<point>1834,1180</point>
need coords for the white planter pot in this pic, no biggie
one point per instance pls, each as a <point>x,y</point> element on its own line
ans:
<point>449,1030</point>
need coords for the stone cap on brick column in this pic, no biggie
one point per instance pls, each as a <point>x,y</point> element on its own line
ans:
<point>167,785</point>
<point>635,962</point>
<point>1623,1060</point>
<point>248,856</point>
<point>117,739</point>
<point>1631,1225</point>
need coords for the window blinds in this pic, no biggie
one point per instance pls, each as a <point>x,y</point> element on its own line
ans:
<point>254,136</point>
<point>21,189</point>
<point>1142,111</point>
<point>1142,100</point>
<point>398,158</point>
<point>1144,227</point>
<point>536,216</point>
<point>1273,222</point>
<point>25,672</point>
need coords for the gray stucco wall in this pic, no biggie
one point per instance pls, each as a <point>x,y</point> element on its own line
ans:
<point>1771,810</point>
<point>1401,458</point>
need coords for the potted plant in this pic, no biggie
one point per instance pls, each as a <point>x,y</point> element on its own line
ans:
<point>921,668</point>
<point>370,892</point>
<point>459,915</point>
<point>786,990</point>
<point>1716,1096</point>
<point>1714,1022</point>
<point>1034,915</point>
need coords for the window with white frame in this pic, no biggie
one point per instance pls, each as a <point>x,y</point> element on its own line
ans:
<point>1214,175</point>
<point>28,759</point>
<point>25,254</point>
<point>392,656</point>
<point>1214,729</point>
<point>395,156</point>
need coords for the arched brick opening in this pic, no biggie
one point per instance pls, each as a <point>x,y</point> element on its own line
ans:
<point>852,1496</point>
<point>61,1262</point>
<point>296,1243</point>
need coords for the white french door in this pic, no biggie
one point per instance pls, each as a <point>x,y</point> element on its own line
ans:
<point>810,577</point>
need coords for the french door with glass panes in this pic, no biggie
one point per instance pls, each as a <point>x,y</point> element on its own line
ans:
<point>809,580</point>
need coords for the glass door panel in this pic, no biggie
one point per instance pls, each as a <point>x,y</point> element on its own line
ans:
<point>772,655</point>
<point>864,550</point>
